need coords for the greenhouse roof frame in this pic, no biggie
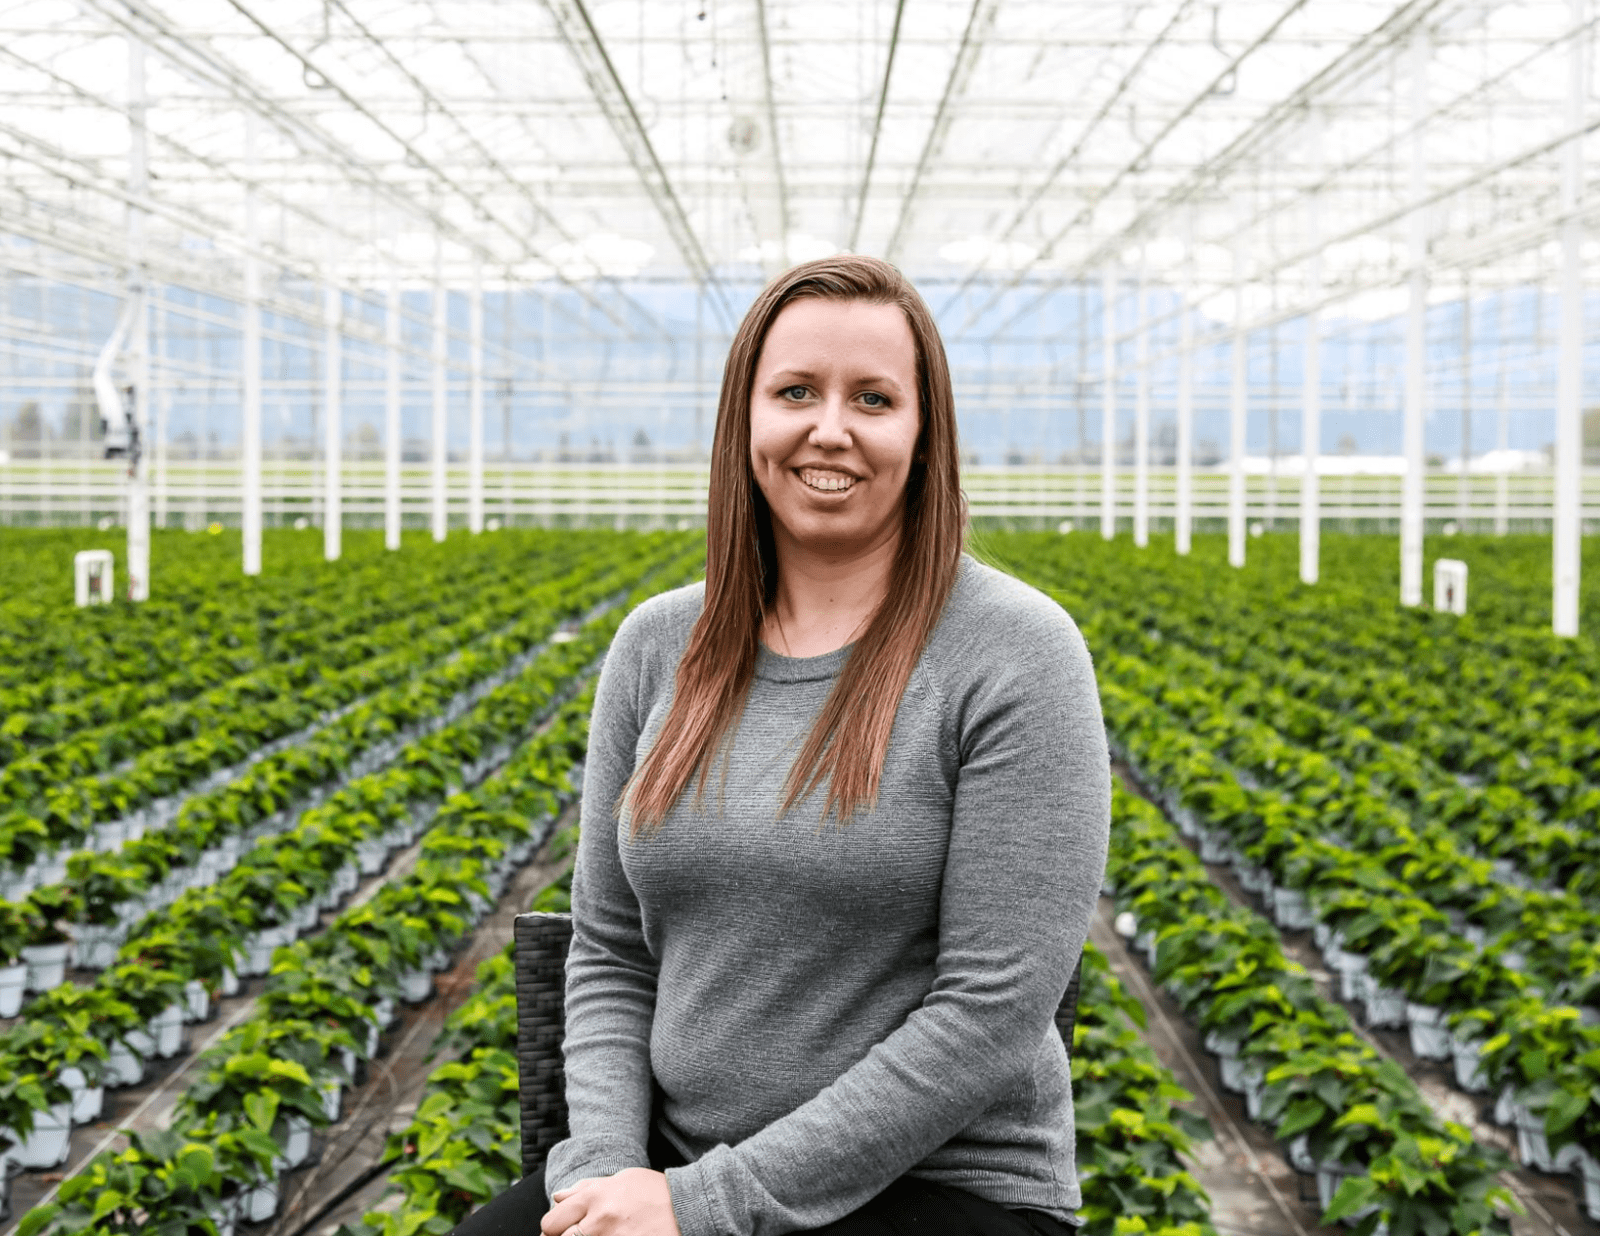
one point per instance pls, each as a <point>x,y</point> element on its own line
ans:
<point>997,149</point>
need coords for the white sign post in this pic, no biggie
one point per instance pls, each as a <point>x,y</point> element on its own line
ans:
<point>1450,586</point>
<point>92,578</point>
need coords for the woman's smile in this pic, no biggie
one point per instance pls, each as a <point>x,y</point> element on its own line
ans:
<point>826,480</point>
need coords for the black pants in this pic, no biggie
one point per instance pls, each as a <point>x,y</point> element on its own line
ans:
<point>908,1207</point>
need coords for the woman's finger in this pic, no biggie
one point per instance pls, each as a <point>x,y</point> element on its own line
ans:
<point>565,1214</point>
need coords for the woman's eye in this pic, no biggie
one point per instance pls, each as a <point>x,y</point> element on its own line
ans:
<point>875,400</point>
<point>795,393</point>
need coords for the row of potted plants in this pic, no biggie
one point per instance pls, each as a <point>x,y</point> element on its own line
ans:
<point>463,1146</point>
<point>69,810</point>
<point>1383,1159</point>
<point>264,785</point>
<point>105,894</point>
<point>269,1083</point>
<point>203,624</point>
<point>1381,896</point>
<point>1549,839</point>
<point>1509,704</point>
<point>190,949</point>
<point>390,615</point>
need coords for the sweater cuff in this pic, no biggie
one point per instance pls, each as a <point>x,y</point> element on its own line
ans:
<point>692,1203</point>
<point>572,1160</point>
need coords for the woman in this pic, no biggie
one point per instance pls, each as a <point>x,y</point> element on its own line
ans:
<point>846,810</point>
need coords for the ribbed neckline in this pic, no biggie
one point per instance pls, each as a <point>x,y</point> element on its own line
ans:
<point>775,667</point>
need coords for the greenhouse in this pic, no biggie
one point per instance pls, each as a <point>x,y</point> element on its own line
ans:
<point>364,367</point>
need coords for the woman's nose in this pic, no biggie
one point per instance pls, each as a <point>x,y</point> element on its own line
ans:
<point>831,431</point>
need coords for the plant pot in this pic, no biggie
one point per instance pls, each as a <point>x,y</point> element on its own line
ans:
<point>292,1132</point>
<point>1381,1006</point>
<point>230,982</point>
<point>87,1101</point>
<point>142,1042</point>
<point>1214,847</point>
<point>109,836</point>
<point>13,982</point>
<point>16,885</point>
<point>1352,968</point>
<point>1216,1043</point>
<point>1329,1177</point>
<point>1467,1055</point>
<point>416,986</point>
<point>437,960</point>
<point>1255,1089</point>
<point>347,879</point>
<point>259,948</point>
<point>1300,1155</point>
<point>47,965</point>
<point>332,1101</point>
<point>307,917</point>
<point>1533,1148</point>
<point>135,823</point>
<point>1589,1169</point>
<point>1252,879</point>
<point>1291,910</point>
<point>124,1066</point>
<point>51,1140</point>
<point>197,1001</point>
<point>259,1204</point>
<point>1322,934</point>
<point>384,1011</point>
<point>371,855</point>
<point>50,869</point>
<point>1505,1106</point>
<point>95,945</point>
<point>1235,1073</point>
<point>166,1028</point>
<point>1430,1038</point>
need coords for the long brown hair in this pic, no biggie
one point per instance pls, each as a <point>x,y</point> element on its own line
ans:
<point>850,739</point>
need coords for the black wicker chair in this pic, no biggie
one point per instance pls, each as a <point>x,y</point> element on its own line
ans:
<point>542,941</point>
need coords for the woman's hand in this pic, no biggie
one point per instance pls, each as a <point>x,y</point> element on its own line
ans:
<point>634,1202</point>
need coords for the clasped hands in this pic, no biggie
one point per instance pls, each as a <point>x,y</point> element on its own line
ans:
<point>634,1202</point>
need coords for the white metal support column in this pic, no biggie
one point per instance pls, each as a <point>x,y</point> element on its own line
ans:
<point>391,414</point>
<point>1502,440</point>
<point>1238,410</point>
<point>332,422</point>
<point>1414,413</point>
<point>1311,397</point>
<point>1184,519</point>
<point>138,333</point>
<point>250,361</point>
<point>1141,410</point>
<point>1567,540</point>
<point>1108,405</point>
<point>475,451</point>
<point>441,394</point>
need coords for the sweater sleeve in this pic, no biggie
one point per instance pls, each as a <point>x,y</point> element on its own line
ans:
<point>611,976</point>
<point>1029,831</point>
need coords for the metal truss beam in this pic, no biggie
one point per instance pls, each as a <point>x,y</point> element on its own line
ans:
<point>589,52</point>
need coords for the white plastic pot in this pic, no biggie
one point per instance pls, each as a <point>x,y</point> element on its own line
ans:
<point>196,1000</point>
<point>1382,1006</point>
<point>332,1100</point>
<point>1589,1169</point>
<point>13,982</point>
<point>87,1101</point>
<point>1252,878</point>
<point>416,986</point>
<point>1291,909</point>
<point>383,1010</point>
<point>1352,968</point>
<point>1329,1177</point>
<point>371,854</point>
<point>293,1135</point>
<point>347,879</point>
<point>259,948</point>
<point>15,884</point>
<point>124,1066</point>
<point>230,982</point>
<point>259,1204</point>
<point>1235,1072</point>
<point>49,1143</point>
<point>1430,1038</point>
<point>437,960</point>
<point>166,1028</point>
<point>47,965</point>
<point>49,869</point>
<point>1467,1055</point>
<point>95,945</point>
<point>1214,847</point>
<point>109,836</point>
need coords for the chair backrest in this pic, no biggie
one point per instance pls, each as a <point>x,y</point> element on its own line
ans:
<point>541,951</point>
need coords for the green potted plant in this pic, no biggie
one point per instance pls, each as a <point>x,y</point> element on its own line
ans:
<point>105,888</point>
<point>48,945</point>
<point>14,937</point>
<point>159,1184</point>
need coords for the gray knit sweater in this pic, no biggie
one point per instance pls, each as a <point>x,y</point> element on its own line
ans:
<point>826,1009</point>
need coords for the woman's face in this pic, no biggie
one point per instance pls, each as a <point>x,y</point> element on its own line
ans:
<point>834,421</point>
